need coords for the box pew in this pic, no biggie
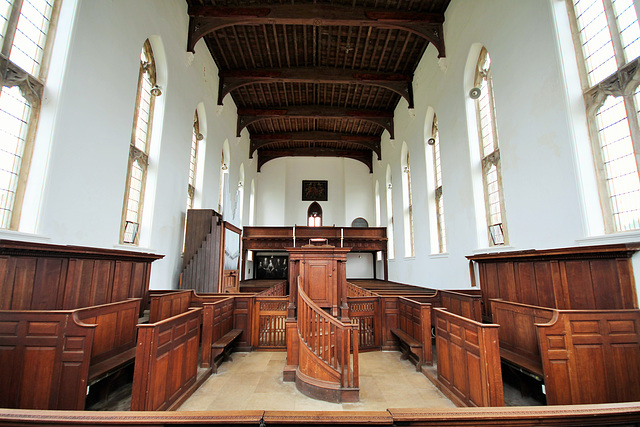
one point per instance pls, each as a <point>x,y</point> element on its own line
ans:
<point>218,332</point>
<point>591,356</point>
<point>166,369</point>
<point>468,360</point>
<point>48,358</point>
<point>584,356</point>
<point>518,333</point>
<point>457,302</point>
<point>164,306</point>
<point>413,331</point>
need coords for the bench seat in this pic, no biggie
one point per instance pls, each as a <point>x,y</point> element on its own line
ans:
<point>102,369</point>
<point>411,347</point>
<point>221,349</point>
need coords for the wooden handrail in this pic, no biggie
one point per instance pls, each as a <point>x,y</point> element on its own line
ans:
<point>329,339</point>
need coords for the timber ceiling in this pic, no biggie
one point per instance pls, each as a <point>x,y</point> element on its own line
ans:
<point>319,78</point>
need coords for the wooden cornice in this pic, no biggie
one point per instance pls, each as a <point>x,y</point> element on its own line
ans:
<point>246,116</point>
<point>396,82</point>
<point>365,157</point>
<point>207,19</point>
<point>365,141</point>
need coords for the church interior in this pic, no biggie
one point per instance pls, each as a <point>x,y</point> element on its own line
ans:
<point>439,191</point>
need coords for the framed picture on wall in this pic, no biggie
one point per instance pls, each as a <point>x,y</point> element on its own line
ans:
<point>271,266</point>
<point>314,191</point>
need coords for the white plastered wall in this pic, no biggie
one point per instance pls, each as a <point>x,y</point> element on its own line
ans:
<point>85,169</point>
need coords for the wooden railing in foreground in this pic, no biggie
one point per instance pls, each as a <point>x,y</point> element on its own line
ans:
<point>328,344</point>
<point>357,291</point>
<point>469,370</point>
<point>166,367</point>
<point>622,414</point>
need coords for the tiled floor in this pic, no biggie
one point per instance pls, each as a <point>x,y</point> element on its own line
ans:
<point>254,381</point>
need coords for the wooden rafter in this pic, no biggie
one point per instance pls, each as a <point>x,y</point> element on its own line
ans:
<point>207,19</point>
<point>396,82</point>
<point>247,116</point>
<point>365,141</point>
<point>365,157</point>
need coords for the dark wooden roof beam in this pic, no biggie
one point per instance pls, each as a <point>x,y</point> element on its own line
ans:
<point>246,116</point>
<point>365,157</point>
<point>365,141</point>
<point>396,82</point>
<point>204,20</point>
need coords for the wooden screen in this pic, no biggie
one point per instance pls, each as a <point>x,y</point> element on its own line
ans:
<point>581,278</point>
<point>468,360</point>
<point>51,277</point>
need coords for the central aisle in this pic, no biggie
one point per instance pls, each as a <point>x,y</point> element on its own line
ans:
<point>254,381</point>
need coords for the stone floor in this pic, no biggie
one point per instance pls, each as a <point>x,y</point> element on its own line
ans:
<point>254,381</point>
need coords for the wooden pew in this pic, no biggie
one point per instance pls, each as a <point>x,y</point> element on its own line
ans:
<point>47,358</point>
<point>218,332</point>
<point>413,330</point>
<point>468,360</point>
<point>164,306</point>
<point>518,333</point>
<point>584,356</point>
<point>166,369</point>
<point>591,356</point>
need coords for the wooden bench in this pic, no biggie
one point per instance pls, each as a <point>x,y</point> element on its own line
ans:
<point>221,349</point>
<point>411,346</point>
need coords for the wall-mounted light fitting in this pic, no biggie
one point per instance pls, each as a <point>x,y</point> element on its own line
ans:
<point>156,90</point>
<point>224,167</point>
<point>475,93</point>
<point>199,136</point>
<point>431,141</point>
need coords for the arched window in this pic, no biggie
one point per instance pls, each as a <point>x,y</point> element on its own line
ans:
<point>489,151</point>
<point>407,202</point>
<point>436,208</point>
<point>609,46</point>
<point>314,215</point>
<point>25,38</point>
<point>139,147</point>
<point>390,240</point>
<point>196,137</point>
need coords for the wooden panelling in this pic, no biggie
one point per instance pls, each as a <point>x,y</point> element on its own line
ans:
<point>51,277</point>
<point>579,278</point>
<point>242,319</point>
<point>44,359</point>
<point>166,361</point>
<point>468,360</point>
<point>168,305</point>
<point>591,356</point>
<point>518,333</point>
